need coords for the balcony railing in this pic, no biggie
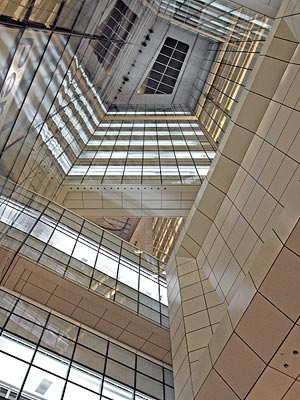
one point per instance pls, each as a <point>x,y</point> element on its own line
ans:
<point>82,252</point>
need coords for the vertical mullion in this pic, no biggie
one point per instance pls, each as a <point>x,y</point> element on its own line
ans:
<point>37,345</point>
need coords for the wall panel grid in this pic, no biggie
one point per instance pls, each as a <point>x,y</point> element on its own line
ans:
<point>248,211</point>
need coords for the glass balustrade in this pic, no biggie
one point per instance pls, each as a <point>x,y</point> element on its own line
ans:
<point>44,356</point>
<point>83,252</point>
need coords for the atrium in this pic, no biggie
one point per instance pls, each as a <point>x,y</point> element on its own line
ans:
<point>149,202</point>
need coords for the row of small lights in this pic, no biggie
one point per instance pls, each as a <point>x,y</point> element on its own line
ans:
<point>143,44</point>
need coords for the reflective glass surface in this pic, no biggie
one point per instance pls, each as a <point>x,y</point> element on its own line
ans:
<point>66,361</point>
<point>83,252</point>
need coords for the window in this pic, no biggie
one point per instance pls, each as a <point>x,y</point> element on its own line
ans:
<point>166,68</point>
<point>114,31</point>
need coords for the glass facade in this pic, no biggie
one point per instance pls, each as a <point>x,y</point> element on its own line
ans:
<point>143,151</point>
<point>51,13</point>
<point>44,356</point>
<point>165,234</point>
<point>113,33</point>
<point>232,65</point>
<point>143,110</point>
<point>216,19</point>
<point>83,252</point>
<point>49,106</point>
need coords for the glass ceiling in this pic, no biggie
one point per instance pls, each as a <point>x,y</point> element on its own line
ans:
<point>161,152</point>
<point>216,19</point>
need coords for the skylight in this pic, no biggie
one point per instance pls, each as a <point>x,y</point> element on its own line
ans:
<point>115,29</point>
<point>164,72</point>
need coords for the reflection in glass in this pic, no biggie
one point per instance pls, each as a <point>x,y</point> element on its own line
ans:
<point>149,287</point>
<point>128,276</point>
<point>107,265</point>
<point>74,392</point>
<point>116,391</point>
<point>14,371</point>
<point>85,378</point>
<point>42,231</point>
<point>80,258</point>
<point>62,242</point>
<point>57,365</point>
<point>17,348</point>
<point>89,358</point>
<point>86,368</point>
<point>42,383</point>
<point>85,254</point>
